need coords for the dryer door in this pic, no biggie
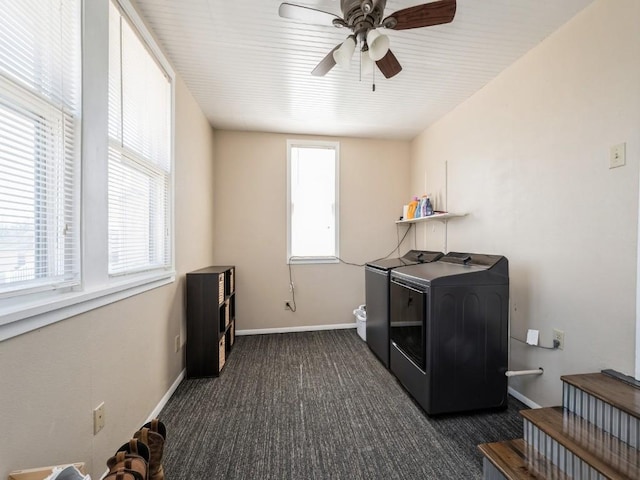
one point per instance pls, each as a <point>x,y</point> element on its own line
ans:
<point>408,318</point>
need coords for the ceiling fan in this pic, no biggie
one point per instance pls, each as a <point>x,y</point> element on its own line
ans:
<point>365,18</point>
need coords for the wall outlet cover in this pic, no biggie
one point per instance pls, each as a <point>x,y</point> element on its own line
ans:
<point>558,336</point>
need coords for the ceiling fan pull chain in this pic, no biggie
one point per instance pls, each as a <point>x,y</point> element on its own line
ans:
<point>373,75</point>
<point>360,49</point>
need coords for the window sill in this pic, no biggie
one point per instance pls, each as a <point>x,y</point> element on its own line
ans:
<point>312,260</point>
<point>23,318</point>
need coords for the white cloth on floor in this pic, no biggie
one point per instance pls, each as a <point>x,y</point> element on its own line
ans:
<point>70,472</point>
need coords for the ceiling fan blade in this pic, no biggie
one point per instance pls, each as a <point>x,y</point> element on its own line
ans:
<point>306,14</point>
<point>389,65</point>
<point>426,15</point>
<point>326,64</point>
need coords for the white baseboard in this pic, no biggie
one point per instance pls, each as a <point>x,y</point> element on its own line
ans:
<point>311,328</point>
<point>163,401</point>
<point>518,396</point>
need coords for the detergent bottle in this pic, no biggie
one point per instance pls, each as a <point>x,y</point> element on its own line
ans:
<point>428,207</point>
<point>411,211</point>
<point>419,208</point>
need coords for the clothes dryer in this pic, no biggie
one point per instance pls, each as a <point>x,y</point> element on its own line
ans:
<point>377,297</point>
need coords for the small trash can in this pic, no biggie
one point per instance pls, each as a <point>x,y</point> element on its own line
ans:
<point>361,321</point>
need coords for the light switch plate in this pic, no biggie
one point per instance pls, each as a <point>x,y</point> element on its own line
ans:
<point>618,155</point>
<point>98,418</point>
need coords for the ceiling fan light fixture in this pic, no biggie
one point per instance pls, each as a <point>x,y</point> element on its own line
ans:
<point>378,44</point>
<point>343,54</point>
<point>364,18</point>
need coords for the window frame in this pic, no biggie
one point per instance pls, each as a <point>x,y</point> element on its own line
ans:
<point>27,102</point>
<point>51,104</point>
<point>25,313</point>
<point>323,259</point>
<point>136,161</point>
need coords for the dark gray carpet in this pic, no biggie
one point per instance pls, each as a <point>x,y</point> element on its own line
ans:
<point>318,405</point>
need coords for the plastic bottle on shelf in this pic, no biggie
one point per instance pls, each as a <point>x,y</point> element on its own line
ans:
<point>419,208</point>
<point>428,207</point>
<point>411,211</point>
<point>423,205</point>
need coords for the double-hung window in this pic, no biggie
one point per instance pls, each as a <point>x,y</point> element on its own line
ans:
<point>140,167</point>
<point>312,201</point>
<point>39,146</point>
<point>64,250</point>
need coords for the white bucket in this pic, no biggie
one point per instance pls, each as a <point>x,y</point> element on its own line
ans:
<point>361,321</point>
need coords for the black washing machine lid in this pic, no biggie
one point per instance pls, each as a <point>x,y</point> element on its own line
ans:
<point>473,259</point>
<point>412,257</point>
<point>457,269</point>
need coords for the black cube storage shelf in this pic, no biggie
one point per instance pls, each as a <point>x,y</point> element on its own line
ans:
<point>211,316</point>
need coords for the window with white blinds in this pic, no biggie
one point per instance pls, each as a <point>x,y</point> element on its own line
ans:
<point>40,68</point>
<point>140,167</point>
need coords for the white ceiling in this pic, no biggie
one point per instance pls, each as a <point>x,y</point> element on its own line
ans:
<point>249,69</point>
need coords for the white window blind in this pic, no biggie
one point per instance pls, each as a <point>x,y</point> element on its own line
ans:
<point>140,167</point>
<point>39,144</point>
<point>313,201</point>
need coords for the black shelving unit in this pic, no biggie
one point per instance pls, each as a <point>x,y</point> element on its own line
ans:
<point>211,317</point>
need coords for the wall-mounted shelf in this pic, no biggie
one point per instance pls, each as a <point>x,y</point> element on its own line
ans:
<point>443,217</point>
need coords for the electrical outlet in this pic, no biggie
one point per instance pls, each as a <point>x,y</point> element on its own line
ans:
<point>558,336</point>
<point>287,305</point>
<point>98,418</point>
<point>177,343</point>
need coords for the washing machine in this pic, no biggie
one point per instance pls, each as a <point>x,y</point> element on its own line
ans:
<point>449,330</point>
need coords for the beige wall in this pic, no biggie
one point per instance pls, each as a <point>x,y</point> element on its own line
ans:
<point>122,354</point>
<point>528,160</point>
<point>251,226</point>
